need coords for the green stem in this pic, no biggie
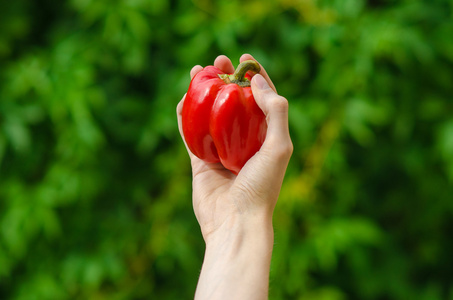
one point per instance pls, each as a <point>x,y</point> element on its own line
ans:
<point>239,75</point>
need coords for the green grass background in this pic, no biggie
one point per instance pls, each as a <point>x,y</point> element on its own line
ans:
<point>95,183</point>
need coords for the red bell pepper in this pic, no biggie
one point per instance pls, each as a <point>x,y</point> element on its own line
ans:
<point>221,121</point>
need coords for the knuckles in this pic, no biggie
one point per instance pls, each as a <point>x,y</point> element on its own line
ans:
<point>274,103</point>
<point>278,149</point>
<point>279,104</point>
<point>283,151</point>
<point>281,146</point>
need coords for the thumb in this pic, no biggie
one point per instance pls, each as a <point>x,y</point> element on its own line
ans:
<point>275,108</point>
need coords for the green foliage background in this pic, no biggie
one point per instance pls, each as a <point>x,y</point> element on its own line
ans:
<point>95,183</point>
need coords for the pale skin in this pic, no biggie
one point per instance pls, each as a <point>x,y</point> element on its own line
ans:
<point>235,211</point>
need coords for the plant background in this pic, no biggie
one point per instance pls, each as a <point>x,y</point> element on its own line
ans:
<point>95,183</point>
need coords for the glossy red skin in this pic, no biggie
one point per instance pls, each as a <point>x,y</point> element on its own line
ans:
<point>222,122</point>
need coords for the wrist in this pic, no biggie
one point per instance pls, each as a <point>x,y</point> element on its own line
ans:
<point>237,231</point>
<point>237,256</point>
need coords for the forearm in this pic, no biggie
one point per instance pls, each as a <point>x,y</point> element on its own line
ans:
<point>236,263</point>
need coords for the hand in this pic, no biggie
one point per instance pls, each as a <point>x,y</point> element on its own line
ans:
<point>219,197</point>
<point>235,212</point>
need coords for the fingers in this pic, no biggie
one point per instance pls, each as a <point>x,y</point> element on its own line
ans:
<point>262,72</point>
<point>224,63</point>
<point>197,164</point>
<point>278,142</point>
<point>275,108</point>
<point>195,70</point>
<point>263,174</point>
<point>179,117</point>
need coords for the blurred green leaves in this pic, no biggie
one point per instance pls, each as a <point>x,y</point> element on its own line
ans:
<point>95,182</point>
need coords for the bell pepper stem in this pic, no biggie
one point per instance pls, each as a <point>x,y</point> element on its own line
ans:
<point>238,76</point>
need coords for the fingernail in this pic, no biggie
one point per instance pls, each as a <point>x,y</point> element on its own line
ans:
<point>260,82</point>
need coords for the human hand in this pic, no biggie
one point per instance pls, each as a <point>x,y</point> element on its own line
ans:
<point>235,211</point>
<point>220,198</point>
